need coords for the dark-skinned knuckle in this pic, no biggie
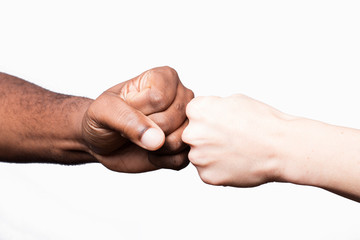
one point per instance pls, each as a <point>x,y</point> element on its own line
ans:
<point>180,107</point>
<point>184,164</point>
<point>175,162</point>
<point>174,143</point>
<point>154,159</point>
<point>191,94</point>
<point>169,71</point>
<point>163,122</point>
<point>180,161</point>
<point>158,100</point>
<point>164,71</point>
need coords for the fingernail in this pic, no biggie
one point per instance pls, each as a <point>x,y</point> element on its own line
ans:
<point>153,139</point>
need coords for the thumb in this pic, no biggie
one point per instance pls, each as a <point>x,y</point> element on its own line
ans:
<point>110,111</point>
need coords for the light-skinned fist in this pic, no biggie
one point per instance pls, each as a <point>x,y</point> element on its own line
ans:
<point>233,140</point>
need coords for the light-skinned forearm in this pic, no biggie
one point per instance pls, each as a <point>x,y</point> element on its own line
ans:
<point>37,125</point>
<point>318,154</point>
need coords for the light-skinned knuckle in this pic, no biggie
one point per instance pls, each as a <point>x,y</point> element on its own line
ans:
<point>191,109</point>
<point>210,177</point>
<point>207,177</point>
<point>192,156</point>
<point>196,157</point>
<point>186,135</point>
<point>239,96</point>
<point>202,101</point>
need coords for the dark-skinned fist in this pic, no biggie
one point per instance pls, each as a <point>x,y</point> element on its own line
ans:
<point>136,126</point>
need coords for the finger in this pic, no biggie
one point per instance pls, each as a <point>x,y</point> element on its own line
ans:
<point>152,91</point>
<point>110,111</point>
<point>198,157</point>
<point>132,159</point>
<point>188,135</point>
<point>173,142</point>
<point>198,133</point>
<point>175,162</point>
<point>173,117</point>
<point>199,107</point>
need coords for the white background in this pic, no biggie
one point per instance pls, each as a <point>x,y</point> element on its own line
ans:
<point>303,57</point>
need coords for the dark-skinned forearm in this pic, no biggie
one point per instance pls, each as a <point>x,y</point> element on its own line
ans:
<point>37,125</point>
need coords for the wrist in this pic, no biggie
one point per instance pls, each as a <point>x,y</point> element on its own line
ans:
<point>299,144</point>
<point>76,108</point>
<point>79,107</point>
<point>282,147</point>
